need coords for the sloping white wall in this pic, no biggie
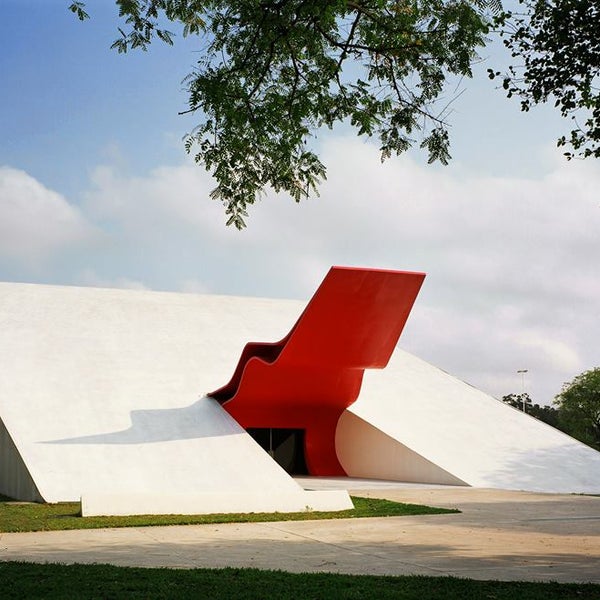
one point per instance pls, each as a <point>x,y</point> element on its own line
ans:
<point>462,431</point>
<point>15,480</point>
<point>366,451</point>
<point>102,392</point>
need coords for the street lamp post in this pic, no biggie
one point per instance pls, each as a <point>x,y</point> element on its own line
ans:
<point>522,372</point>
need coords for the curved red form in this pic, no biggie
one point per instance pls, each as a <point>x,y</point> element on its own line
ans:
<point>306,380</point>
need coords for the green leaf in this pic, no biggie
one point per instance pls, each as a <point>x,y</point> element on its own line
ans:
<point>272,73</point>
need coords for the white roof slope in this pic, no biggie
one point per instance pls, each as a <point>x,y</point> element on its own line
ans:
<point>477,439</point>
<point>102,394</point>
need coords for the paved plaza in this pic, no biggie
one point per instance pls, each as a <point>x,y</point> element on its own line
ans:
<point>500,535</point>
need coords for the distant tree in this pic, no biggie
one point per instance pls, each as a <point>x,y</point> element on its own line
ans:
<point>270,73</point>
<point>557,46</point>
<point>516,401</point>
<point>578,407</point>
<point>547,414</point>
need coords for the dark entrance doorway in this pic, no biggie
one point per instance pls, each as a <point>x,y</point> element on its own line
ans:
<point>286,446</point>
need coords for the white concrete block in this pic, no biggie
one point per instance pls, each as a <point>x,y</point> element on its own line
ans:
<point>213,503</point>
<point>466,433</point>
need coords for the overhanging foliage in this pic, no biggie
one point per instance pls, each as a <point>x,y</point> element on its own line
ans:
<point>272,73</point>
<point>556,44</point>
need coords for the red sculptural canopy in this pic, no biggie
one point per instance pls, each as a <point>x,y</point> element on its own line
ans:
<point>306,380</point>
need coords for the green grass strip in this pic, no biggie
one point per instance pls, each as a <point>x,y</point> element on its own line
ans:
<point>26,516</point>
<point>53,582</point>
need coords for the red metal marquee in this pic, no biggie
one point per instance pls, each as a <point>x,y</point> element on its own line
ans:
<point>306,380</point>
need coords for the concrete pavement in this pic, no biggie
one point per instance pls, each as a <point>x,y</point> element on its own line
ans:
<point>499,535</point>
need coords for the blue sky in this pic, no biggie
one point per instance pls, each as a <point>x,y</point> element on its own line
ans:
<point>96,189</point>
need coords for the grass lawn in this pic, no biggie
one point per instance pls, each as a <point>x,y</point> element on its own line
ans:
<point>27,516</point>
<point>55,581</point>
<point>50,581</point>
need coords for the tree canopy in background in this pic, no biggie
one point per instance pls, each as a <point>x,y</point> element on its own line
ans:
<point>523,402</point>
<point>556,46</point>
<point>519,401</point>
<point>578,407</point>
<point>272,73</point>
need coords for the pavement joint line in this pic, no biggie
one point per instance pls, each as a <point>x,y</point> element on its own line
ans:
<point>381,557</point>
<point>174,549</point>
<point>578,518</point>
<point>320,541</point>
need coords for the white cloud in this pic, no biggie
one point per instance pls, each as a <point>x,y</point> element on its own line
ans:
<point>168,198</point>
<point>513,279</point>
<point>35,222</point>
<point>194,286</point>
<point>90,278</point>
<point>557,353</point>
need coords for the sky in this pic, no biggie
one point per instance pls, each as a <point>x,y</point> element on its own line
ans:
<point>96,190</point>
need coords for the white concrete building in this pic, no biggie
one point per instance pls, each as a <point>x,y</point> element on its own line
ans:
<point>103,397</point>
